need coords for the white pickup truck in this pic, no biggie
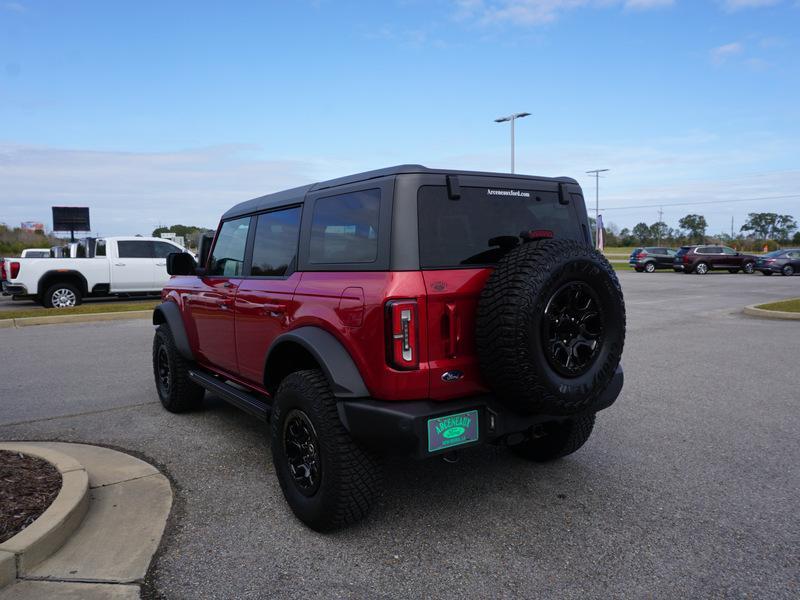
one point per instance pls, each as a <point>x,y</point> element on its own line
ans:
<point>115,266</point>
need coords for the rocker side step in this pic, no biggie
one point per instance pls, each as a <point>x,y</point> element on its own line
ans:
<point>249,403</point>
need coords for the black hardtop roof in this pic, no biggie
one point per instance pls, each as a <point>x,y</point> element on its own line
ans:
<point>298,194</point>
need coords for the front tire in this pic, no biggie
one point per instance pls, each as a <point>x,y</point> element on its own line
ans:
<point>176,391</point>
<point>556,440</point>
<point>62,295</point>
<point>327,478</point>
<point>749,268</point>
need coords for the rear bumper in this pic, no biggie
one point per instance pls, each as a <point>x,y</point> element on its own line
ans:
<point>403,427</point>
<point>768,268</point>
<point>14,289</point>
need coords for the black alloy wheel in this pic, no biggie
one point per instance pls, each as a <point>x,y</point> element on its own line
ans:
<point>573,329</point>
<point>162,369</point>
<point>302,452</point>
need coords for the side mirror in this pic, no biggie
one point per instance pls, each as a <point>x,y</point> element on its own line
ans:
<point>205,248</point>
<point>181,263</point>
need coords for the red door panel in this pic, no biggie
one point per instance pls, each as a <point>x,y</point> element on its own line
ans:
<point>211,304</point>
<point>264,310</point>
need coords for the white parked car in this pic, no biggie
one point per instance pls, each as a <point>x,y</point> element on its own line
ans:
<point>116,266</point>
<point>35,253</point>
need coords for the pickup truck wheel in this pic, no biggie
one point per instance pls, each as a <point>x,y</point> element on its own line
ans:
<point>550,327</point>
<point>176,391</point>
<point>556,440</point>
<point>61,295</point>
<point>327,478</point>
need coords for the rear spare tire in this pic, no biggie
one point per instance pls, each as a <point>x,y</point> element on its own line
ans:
<point>550,327</point>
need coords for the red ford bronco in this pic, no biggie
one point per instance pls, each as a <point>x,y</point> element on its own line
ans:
<point>405,310</point>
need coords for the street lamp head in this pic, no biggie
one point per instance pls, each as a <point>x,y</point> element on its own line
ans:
<point>598,171</point>
<point>502,119</point>
<point>520,115</point>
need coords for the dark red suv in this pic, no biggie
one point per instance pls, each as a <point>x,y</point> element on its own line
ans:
<point>405,310</point>
<point>702,259</point>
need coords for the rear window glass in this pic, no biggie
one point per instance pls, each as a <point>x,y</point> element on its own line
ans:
<point>485,223</point>
<point>344,228</point>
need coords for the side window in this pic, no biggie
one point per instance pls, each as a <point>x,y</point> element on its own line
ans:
<point>100,248</point>
<point>344,228</point>
<point>135,249</point>
<point>275,244</point>
<point>163,249</point>
<point>729,251</point>
<point>227,257</point>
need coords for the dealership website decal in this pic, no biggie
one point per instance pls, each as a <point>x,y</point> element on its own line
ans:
<point>491,192</point>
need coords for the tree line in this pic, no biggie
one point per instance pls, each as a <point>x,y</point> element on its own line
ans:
<point>770,229</point>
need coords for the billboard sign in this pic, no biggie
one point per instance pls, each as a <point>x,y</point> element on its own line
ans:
<point>71,218</point>
<point>32,226</point>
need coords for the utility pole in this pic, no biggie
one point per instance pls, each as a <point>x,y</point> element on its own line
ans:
<point>731,227</point>
<point>512,118</point>
<point>596,173</point>
<point>660,220</point>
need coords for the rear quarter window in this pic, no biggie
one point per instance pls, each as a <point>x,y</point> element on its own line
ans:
<point>345,228</point>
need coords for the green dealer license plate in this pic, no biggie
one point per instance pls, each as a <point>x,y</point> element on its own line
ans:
<point>452,430</point>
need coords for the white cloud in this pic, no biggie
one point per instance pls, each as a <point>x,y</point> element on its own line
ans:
<point>720,54</point>
<point>134,192</point>
<point>733,5</point>
<point>537,12</point>
<point>13,6</point>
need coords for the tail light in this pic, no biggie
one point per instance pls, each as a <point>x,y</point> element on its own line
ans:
<point>686,259</point>
<point>14,270</point>
<point>402,346</point>
<point>2,270</point>
<point>642,254</point>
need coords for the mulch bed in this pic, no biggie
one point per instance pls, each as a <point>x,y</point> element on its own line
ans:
<point>28,485</point>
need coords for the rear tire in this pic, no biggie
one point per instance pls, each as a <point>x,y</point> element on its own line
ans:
<point>62,295</point>
<point>650,267</point>
<point>556,439</point>
<point>176,391</point>
<point>787,270</point>
<point>327,478</point>
<point>701,268</point>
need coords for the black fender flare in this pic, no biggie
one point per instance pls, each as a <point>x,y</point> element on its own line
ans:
<point>332,357</point>
<point>169,313</point>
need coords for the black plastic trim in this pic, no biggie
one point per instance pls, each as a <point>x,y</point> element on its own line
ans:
<point>169,313</point>
<point>332,357</point>
<point>249,403</point>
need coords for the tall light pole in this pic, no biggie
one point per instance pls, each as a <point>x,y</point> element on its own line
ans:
<point>596,173</point>
<point>512,118</point>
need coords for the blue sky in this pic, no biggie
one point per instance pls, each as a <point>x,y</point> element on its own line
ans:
<point>163,112</point>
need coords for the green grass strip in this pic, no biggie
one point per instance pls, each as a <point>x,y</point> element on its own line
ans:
<point>83,309</point>
<point>783,306</point>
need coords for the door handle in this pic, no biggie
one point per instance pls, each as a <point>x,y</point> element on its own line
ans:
<point>119,264</point>
<point>228,284</point>
<point>274,309</point>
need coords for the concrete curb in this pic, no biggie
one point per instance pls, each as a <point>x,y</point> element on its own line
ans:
<point>87,318</point>
<point>754,311</point>
<point>49,532</point>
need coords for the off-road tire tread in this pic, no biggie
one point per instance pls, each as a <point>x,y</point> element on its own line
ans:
<point>185,395</point>
<point>357,478</point>
<point>509,292</point>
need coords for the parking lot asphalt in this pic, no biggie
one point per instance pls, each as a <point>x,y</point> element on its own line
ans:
<point>687,488</point>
